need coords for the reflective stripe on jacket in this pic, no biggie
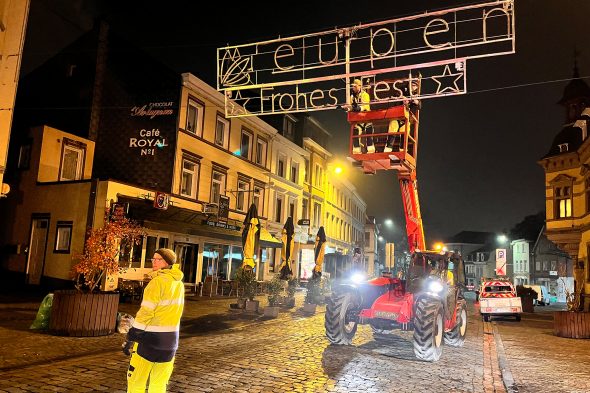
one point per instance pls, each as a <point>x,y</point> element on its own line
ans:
<point>157,322</point>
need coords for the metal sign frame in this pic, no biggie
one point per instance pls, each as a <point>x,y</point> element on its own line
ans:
<point>313,71</point>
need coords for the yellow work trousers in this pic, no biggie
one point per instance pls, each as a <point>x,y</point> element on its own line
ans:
<point>140,370</point>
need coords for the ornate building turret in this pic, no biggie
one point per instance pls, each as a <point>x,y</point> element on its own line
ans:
<point>576,97</point>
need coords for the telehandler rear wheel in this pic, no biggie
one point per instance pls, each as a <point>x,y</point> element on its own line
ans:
<point>456,336</point>
<point>428,329</point>
<point>341,318</point>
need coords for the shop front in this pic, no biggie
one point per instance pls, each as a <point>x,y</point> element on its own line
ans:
<point>209,252</point>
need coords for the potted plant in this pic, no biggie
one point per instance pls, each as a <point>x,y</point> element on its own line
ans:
<point>246,279</point>
<point>289,300</point>
<point>312,297</point>
<point>573,323</point>
<point>274,288</point>
<point>87,311</point>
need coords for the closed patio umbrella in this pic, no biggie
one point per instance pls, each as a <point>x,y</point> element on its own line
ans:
<point>319,250</point>
<point>287,249</point>
<point>250,237</point>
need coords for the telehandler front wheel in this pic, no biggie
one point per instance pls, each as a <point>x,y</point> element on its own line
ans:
<point>428,329</point>
<point>341,318</point>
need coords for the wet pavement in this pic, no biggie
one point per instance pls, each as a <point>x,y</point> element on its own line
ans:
<point>222,350</point>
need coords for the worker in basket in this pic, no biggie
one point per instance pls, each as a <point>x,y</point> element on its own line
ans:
<point>360,102</point>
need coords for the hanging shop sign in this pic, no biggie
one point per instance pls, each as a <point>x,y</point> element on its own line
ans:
<point>223,211</point>
<point>224,225</point>
<point>161,201</point>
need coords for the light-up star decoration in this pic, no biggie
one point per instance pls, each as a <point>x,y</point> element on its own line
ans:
<point>235,70</point>
<point>443,80</point>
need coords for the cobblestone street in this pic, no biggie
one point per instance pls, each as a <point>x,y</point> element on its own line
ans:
<point>225,351</point>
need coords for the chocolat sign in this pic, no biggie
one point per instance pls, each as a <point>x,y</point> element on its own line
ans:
<point>153,109</point>
<point>149,141</point>
<point>137,124</point>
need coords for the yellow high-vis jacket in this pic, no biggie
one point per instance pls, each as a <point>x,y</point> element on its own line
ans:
<point>157,322</point>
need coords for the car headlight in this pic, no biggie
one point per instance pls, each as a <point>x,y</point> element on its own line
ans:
<point>357,278</point>
<point>435,287</point>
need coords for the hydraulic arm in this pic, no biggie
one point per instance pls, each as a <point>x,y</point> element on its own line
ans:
<point>414,228</point>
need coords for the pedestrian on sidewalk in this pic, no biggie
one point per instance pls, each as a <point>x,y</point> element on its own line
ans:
<point>154,333</point>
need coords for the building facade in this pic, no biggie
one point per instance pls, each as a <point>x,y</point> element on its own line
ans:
<point>567,184</point>
<point>521,256</point>
<point>13,17</point>
<point>158,146</point>
<point>551,267</point>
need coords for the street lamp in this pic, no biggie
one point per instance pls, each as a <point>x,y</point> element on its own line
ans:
<point>381,239</point>
<point>388,222</point>
<point>502,238</point>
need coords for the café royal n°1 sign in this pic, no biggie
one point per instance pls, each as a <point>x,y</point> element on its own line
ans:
<point>313,71</point>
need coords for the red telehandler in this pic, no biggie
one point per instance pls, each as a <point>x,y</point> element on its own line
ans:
<point>428,296</point>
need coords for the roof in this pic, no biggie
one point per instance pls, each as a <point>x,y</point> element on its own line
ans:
<point>471,237</point>
<point>576,88</point>
<point>570,135</point>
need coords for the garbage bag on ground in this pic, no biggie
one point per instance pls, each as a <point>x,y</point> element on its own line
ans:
<point>124,322</point>
<point>41,322</point>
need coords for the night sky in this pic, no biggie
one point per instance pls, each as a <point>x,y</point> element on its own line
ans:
<point>477,160</point>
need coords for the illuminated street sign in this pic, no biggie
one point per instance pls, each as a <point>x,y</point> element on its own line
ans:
<point>313,71</point>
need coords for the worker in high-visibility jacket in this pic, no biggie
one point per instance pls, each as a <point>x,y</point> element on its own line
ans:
<point>155,328</point>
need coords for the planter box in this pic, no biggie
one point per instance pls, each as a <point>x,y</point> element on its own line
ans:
<point>527,304</point>
<point>309,308</point>
<point>252,305</point>
<point>271,311</point>
<point>83,314</point>
<point>571,324</point>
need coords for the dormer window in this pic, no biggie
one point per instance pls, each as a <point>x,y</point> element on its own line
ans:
<point>563,147</point>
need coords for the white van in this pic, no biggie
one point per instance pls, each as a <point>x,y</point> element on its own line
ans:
<point>543,297</point>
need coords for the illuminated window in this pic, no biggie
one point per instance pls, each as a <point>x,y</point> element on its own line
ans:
<point>281,165</point>
<point>317,214</point>
<point>190,178</point>
<point>563,202</point>
<point>222,132</point>
<point>242,196</point>
<point>279,201</point>
<point>194,117</point>
<point>72,160</point>
<point>217,186</point>
<point>258,198</point>
<point>63,237</point>
<point>261,152</point>
<point>305,208</point>
<point>294,172</point>
<point>246,145</point>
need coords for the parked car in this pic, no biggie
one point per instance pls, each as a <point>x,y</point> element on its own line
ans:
<point>543,297</point>
<point>498,298</point>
